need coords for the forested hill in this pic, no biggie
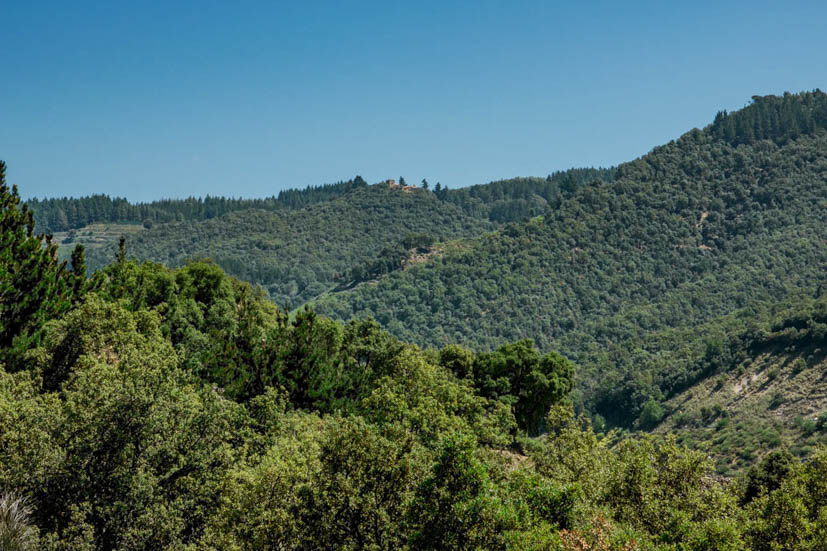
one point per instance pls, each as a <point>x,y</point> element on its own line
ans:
<point>298,254</point>
<point>501,201</point>
<point>157,408</point>
<point>62,214</point>
<point>690,232</point>
<point>518,198</point>
<point>768,392</point>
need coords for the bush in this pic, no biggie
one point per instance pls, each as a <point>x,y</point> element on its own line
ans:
<point>651,415</point>
<point>777,399</point>
<point>16,533</point>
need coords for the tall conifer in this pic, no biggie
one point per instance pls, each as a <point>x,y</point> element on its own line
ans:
<point>33,284</point>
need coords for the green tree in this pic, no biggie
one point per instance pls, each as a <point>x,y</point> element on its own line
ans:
<point>517,374</point>
<point>142,445</point>
<point>769,474</point>
<point>34,286</point>
<point>359,496</point>
<point>456,506</point>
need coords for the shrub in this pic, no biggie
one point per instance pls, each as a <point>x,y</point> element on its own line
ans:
<point>651,415</point>
<point>777,399</point>
<point>16,532</point>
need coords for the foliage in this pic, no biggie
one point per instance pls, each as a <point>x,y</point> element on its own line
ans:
<point>298,254</point>
<point>456,507</point>
<point>16,533</point>
<point>61,214</point>
<point>632,279</point>
<point>520,198</point>
<point>780,119</point>
<point>518,374</point>
<point>123,441</point>
<point>34,286</point>
<point>177,408</point>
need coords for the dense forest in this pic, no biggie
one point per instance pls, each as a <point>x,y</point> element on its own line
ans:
<point>632,278</point>
<point>67,213</point>
<point>519,198</point>
<point>296,255</point>
<point>150,407</point>
<point>258,245</point>
<point>502,201</point>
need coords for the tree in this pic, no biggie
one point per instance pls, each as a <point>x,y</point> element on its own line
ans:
<point>457,359</point>
<point>34,286</point>
<point>456,507</point>
<point>424,184</point>
<point>518,375</point>
<point>78,271</point>
<point>141,444</point>
<point>768,475</point>
<point>121,250</point>
<point>359,497</point>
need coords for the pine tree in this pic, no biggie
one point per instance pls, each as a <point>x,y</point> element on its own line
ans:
<point>34,286</point>
<point>78,271</point>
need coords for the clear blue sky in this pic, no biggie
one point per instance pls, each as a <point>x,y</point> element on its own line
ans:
<point>247,98</point>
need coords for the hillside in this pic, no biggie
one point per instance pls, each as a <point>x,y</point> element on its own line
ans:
<point>768,391</point>
<point>297,254</point>
<point>696,229</point>
<point>158,408</point>
<point>62,214</point>
<point>689,286</point>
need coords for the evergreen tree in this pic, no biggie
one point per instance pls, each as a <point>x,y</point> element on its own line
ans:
<point>33,284</point>
<point>78,270</point>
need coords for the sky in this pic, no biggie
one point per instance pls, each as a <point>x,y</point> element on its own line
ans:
<point>150,100</point>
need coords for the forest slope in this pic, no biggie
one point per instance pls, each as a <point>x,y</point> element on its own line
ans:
<point>694,230</point>
<point>767,389</point>
<point>297,254</point>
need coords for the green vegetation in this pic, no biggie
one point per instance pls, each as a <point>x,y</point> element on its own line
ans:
<point>177,407</point>
<point>16,532</point>
<point>92,237</point>
<point>771,393</point>
<point>64,214</point>
<point>520,198</point>
<point>298,254</point>
<point>34,286</point>
<point>633,279</point>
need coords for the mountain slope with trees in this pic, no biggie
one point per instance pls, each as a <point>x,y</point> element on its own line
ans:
<point>66,213</point>
<point>766,388</point>
<point>700,227</point>
<point>179,409</point>
<point>298,254</point>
